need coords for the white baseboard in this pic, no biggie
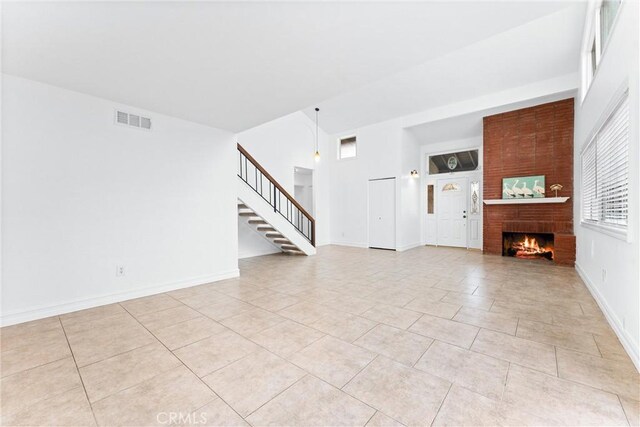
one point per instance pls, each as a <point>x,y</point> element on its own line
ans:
<point>407,247</point>
<point>365,246</point>
<point>612,318</point>
<point>258,253</point>
<point>351,244</point>
<point>41,312</point>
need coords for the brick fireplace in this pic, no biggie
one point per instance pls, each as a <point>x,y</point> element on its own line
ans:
<point>531,141</point>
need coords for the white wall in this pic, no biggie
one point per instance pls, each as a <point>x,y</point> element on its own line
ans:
<point>384,150</point>
<point>251,242</point>
<point>408,207</point>
<point>617,292</point>
<point>280,146</point>
<point>82,195</point>
<point>378,156</point>
<point>429,221</point>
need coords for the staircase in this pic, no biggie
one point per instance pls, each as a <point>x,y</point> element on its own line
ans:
<point>267,230</point>
<point>267,207</point>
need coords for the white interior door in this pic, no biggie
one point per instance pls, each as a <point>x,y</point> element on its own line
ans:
<point>451,211</point>
<point>382,213</point>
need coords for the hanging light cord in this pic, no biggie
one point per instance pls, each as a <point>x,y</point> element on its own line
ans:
<point>317,153</point>
<point>317,110</point>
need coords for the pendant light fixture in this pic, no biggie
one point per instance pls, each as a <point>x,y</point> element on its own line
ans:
<point>317,155</point>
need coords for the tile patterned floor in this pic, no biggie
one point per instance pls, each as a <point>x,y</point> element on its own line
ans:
<point>348,337</point>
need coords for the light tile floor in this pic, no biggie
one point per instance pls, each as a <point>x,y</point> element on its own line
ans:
<point>349,337</point>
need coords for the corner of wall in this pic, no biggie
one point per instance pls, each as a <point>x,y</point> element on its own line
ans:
<point>625,338</point>
<point>40,312</point>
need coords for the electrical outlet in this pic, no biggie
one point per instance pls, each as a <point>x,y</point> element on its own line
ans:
<point>120,271</point>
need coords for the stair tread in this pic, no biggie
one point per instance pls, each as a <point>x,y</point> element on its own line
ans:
<point>292,252</point>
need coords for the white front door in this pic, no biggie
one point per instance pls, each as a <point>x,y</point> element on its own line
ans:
<point>382,213</point>
<point>451,211</point>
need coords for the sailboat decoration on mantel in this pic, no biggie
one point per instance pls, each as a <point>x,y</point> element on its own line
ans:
<point>556,188</point>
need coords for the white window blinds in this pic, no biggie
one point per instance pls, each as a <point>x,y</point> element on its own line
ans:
<point>589,200</point>
<point>605,171</point>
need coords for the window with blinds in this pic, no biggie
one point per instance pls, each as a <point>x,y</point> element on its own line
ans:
<point>589,204</point>
<point>605,171</point>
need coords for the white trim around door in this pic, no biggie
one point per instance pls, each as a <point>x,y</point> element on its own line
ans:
<point>452,213</point>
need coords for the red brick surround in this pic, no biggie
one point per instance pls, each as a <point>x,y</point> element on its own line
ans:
<point>532,141</point>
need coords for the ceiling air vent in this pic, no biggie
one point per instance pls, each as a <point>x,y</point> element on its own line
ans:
<point>122,118</point>
<point>134,120</point>
<point>145,123</point>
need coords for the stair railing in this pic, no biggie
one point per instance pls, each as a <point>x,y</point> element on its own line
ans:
<point>256,176</point>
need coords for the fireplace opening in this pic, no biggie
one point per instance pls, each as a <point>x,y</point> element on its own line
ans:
<point>528,245</point>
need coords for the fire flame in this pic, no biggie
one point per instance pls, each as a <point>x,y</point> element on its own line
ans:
<point>530,248</point>
<point>531,245</point>
<point>534,246</point>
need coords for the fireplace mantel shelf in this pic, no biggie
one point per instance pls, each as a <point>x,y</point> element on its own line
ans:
<point>525,201</point>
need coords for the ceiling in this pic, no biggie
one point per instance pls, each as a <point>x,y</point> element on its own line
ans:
<point>538,50</point>
<point>469,126</point>
<point>234,65</point>
<point>450,129</point>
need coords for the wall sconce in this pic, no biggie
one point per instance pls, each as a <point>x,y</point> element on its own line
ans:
<point>415,174</point>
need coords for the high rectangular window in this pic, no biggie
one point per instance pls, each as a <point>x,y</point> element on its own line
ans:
<point>593,57</point>
<point>605,13</point>
<point>347,147</point>
<point>605,172</point>
<point>461,161</point>
<point>608,12</point>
